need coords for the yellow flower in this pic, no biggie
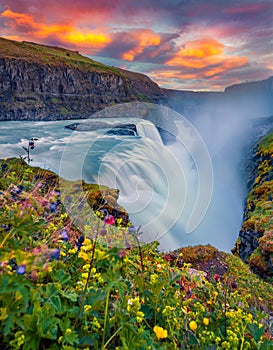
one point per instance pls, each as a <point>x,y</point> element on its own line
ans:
<point>139,316</point>
<point>85,275</point>
<point>87,308</point>
<point>205,321</point>
<point>160,332</point>
<point>83,255</point>
<point>168,310</point>
<point>153,278</point>
<point>193,325</point>
<point>72,251</point>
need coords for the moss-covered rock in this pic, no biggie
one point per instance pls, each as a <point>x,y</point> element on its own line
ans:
<point>254,244</point>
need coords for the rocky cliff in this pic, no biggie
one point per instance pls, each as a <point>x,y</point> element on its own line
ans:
<point>40,82</point>
<point>255,242</point>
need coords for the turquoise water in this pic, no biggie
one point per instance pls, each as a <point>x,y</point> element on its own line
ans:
<point>158,184</point>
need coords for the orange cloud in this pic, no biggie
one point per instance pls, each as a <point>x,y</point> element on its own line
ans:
<point>63,32</point>
<point>143,38</point>
<point>207,55</point>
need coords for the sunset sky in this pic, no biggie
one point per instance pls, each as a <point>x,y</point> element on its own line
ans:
<point>188,44</point>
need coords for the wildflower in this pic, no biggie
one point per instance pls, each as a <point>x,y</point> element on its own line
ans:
<point>83,255</point>
<point>109,220</point>
<point>217,277</point>
<point>31,144</point>
<point>21,270</point>
<point>160,332</point>
<point>81,239</point>
<point>233,285</point>
<point>95,323</point>
<point>68,331</point>
<point>140,315</point>
<point>85,275</point>
<point>55,254</point>
<point>206,321</point>
<point>5,227</point>
<point>153,278</point>
<point>121,253</point>
<point>119,221</point>
<point>87,308</point>
<point>132,229</point>
<point>4,167</point>
<point>193,325</point>
<point>52,207</point>
<point>103,232</point>
<point>64,235</point>
<point>168,310</point>
<point>80,242</point>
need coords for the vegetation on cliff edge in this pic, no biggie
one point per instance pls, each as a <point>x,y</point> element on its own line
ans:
<point>258,221</point>
<point>98,288</point>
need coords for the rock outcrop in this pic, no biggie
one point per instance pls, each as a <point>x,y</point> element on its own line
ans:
<point>255,242</point>
<point>40,82</point>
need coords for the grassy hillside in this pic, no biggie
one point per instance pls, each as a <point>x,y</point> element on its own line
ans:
<point>96,287</point>
<point>40,82</point>
<point>52,55</point>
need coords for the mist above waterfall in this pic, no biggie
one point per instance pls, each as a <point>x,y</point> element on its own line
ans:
<point>229,123</point>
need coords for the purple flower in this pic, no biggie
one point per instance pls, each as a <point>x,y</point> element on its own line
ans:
<point>55,254</point>
<point>5,227</point>
<point>52,207</point>
<point>103,232</point>
<point>234,285</point>
<point>21,270</point>
<point>132,229</point>
<point>4,167</point>
<point>80,242</point>
<point>64,235</point>
<point>81,239</point>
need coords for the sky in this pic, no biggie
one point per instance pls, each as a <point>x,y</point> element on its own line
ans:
<point>180,44</point>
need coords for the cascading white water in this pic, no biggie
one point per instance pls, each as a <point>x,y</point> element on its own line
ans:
<point>157,184</point>
<point>148,130</point>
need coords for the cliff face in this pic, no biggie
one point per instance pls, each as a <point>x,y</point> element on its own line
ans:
<point>250,100</point>
<point>255,242</point>
<point>40,83</point>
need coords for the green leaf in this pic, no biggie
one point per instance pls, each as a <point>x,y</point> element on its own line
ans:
<point>30,323</point>
<point>255,331</point>
<point>47,324</point>
<point>61,276</point>
<point>55,301</point>
<point>31,342</point>
<point>69,294</point>
<point>267,345</point>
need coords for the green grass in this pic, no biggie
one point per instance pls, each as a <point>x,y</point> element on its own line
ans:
<point>51,55</point>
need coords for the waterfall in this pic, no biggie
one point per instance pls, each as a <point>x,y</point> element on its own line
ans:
<point>157,184</point>
<point>148,130</point>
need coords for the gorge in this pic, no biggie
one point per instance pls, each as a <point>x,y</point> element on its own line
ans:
<point>44,84</point>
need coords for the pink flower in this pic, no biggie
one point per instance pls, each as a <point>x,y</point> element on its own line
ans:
<point>109,220</point>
